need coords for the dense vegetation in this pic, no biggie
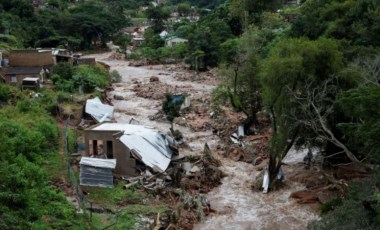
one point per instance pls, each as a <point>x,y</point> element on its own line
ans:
<point>30,142</point>
<point>61,24</point>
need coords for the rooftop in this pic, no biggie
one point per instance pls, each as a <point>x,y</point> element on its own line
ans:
<point>22,70</point>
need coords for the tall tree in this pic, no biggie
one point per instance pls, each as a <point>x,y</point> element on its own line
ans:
<point>157,15</point>
<point>291,72</point>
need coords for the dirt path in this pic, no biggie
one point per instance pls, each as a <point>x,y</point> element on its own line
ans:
<point>237,205</point>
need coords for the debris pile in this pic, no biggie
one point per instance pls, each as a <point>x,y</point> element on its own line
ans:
<point>155,89</point>
<point>184,182</point>
<point>204,78</point>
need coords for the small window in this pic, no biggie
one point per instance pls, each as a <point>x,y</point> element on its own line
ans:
<point>14,79</point>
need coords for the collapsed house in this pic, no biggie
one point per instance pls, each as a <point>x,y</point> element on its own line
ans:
<point>131,145</point>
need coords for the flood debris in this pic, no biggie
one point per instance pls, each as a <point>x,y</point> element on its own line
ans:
<point>183,183</point>
<point>98,111</point>
<point>156,89</point>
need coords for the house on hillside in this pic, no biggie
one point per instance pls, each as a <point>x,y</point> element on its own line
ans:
<point>133,146</point>
<point>171,41</point>
<point>15,75</point>
<point>31,58</point>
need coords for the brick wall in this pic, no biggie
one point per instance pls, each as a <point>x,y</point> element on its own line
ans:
<point>24,58</point>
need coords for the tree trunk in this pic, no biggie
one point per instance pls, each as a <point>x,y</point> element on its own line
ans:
<point>235,80</point>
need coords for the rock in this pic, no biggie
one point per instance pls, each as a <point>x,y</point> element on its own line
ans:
<point>118,97</point>
<point>180,121</point>
<point>195,169</point>
<point>187,166</point>
<point>154,79</point>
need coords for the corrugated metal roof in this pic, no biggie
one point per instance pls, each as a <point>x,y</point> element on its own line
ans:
<point>99,111</point>
<point>149,145</point>
<point>97,162</point>
<point>127,128</point>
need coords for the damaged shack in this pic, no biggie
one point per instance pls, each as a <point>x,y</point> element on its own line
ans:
<point>133,146</point>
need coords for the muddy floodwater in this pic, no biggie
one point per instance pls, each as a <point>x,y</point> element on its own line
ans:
<point>237,206</point>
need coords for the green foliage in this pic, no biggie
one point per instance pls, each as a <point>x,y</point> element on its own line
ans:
<point>360,209</point>
<point>152,39</point>
<point>157,15</point>
<point>355,21</point>
<point>4,93</point>
<point>164,54</point>
<point>75,27</point>
<point>111,197</point>
<point>288,76</point>
<point>210,4</point>
<point>72,140</point>
<point>115,76</point>
<point>362,105</point>
<point>27,201</point>
<point>171,107</point>
<point>90,77</point>
<point>330,205</point>
<point>64,70</point>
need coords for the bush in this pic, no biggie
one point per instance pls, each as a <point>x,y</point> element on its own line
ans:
<point>360,209</point>
<point>4,93</point>
<point>90,77</point>
<point>64,70</point>
<point>115,77</point>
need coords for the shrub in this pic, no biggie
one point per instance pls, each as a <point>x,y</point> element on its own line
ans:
<point>90,77</point>
<point>64,70</point>
<point>4,93</point>
<point>115,77</point>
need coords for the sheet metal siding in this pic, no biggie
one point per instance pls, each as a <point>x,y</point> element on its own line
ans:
<point>97,162</point>
<point>95,176</point>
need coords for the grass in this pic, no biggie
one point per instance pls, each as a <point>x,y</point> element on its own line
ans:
<point>54,166</point>
<point>111,197</point>
<point>144,209</point>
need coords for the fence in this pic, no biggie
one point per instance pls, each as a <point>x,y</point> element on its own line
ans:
<point>85,205</point>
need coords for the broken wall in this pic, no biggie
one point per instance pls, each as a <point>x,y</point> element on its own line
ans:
<point>125,165</point>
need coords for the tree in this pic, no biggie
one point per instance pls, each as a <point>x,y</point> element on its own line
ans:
<point>355,21</point>
<point>248,11</point>
<point>94,22</point>
<point>157,15</point>
<point>183,9</point>
<point>290,71</point>
<point>171,107</point>
<point>362,105</point>
<point>152,39</point>
<point>202,41</point>
<point>242,64</point>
